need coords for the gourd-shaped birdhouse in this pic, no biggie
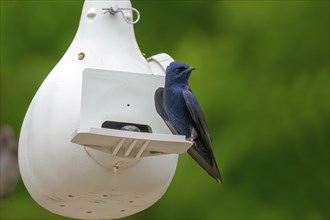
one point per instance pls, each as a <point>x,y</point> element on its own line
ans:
<point>92,145</point>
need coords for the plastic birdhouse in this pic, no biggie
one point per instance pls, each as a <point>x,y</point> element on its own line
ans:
<point>92,145</point>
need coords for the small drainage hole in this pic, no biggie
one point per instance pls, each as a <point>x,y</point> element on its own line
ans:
<point>81,56</point>
<point>71,196</point>
<point>122,210</point>
<point>62,205</point>
<point>131,201</point>
<point>89,212</point>
<point>105,195</point>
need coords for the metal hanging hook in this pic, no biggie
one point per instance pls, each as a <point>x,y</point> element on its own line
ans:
<point>114,9</point>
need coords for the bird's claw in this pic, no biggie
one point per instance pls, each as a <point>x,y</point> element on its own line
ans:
<point>190,139</point>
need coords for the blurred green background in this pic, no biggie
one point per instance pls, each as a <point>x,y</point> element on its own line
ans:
<point>262,80</point>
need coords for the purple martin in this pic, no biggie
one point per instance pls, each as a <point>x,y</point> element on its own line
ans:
<point>179,108</point>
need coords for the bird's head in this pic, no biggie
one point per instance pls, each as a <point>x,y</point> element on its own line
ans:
<point>177,73</point>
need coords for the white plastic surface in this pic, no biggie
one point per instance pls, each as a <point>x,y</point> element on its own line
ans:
<point>76,181</point>
<point>109,95</point>
<point>131,144</point>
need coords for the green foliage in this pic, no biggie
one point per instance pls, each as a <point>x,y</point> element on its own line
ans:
<point>262,79</point>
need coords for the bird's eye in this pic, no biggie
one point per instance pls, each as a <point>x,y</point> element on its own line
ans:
<point>180,69</point>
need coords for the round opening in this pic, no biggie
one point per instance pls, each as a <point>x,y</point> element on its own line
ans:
<point>81,56</point>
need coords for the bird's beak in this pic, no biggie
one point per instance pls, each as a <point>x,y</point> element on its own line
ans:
<point>189,69</point>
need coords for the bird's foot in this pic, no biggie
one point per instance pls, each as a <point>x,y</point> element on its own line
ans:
<point>190,139</point>
<point>193,134</point>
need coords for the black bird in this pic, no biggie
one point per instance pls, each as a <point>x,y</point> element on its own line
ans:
<point>180,110</point>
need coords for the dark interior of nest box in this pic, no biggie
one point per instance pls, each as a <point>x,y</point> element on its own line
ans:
<point>127,126</point>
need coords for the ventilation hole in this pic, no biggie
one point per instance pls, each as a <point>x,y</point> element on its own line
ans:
<point>71,196</point>
<point>105,195</point>
<point>81,56</point>
<point>131,201</point>
<point>128,105</point>
<point>62,205</point>
<point>97,202</point>
<point>123,210</point>
<point>89,212</point>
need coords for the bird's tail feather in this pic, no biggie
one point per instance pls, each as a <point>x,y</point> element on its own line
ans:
<point>207,163</point>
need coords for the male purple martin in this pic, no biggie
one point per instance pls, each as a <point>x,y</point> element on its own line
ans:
<point>179,108</point>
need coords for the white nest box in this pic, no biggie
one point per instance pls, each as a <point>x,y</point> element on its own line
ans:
<point>92,145</point>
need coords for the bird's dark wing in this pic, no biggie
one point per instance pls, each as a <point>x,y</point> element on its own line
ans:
<point>202,152</point>
<point>198,117</point>
<point>159,104</point>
